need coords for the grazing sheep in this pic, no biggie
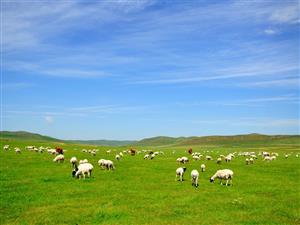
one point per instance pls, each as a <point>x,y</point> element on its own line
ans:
<point>179,172</point>
<point>268,158</point>
<point>219,160</point>
<point>17,150</point>
<point>228,158</point>
<point>106,164</point>
<point>286,156</point>
<point>247,161</point>
<point>195,177</point>
<point>208,157</point>
<point>118,157</point>
<point>73,160</point>
<point>146,156</point>
<point>152,156</point>
<point>59,158</point>
<point>225,174</point>
<point>196,158</point>
<point>82,169</point>
<point>6,147</point>
<point>203,167</point>
<point>251,160</point>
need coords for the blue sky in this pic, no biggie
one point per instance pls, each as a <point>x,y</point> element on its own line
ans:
<point>133,69</point>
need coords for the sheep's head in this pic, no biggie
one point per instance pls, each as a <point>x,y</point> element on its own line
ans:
<point>184,169</point>
<point>212,179</point>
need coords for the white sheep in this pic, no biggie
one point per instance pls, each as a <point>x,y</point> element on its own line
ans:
<point>118,157</point>
<point>59,158</point>
<point>152,156</point>
<point>18,150</point>
<point>208,157</point>
<point>268,158</point>
<point>82,169</point>
<point>146,156</point>
<point>6,147</point>
<point>179,172</point>
<point>108,164</point>
<point>83,161</point>
<point>247,161</point>
<point>224,174</point>
<point>73,160</point>
<point>196,158</point>
<point>251,160</point>
<point>203,167</point>
<point>219,160</point>
<point>195,177</point>
<point>182,160</point>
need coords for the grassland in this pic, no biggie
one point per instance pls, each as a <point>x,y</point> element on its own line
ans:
<point>34,190</point>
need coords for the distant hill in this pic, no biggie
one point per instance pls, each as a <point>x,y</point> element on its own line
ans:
<point>26,136</point>
<point>103,142</point>
<point>235,140</point>
<point>221,140</point>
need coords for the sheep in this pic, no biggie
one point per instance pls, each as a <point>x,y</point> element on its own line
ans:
<point>196,158</point>
<point>118,157</point>
<point>108,164</point>
<point>6,147</point>
<point>18,150</point>
<point>286,156</point>
<point>179,172</point>
<point>73,160</point>
<point>59,158</point>
<point>202,167</point>
<point>219,160</point>
<point>152,156</point>
<point>268,158</point>
<point>195,177</point>
<point>146,156</point>
<point>182,159</point>
<point>224,174</point>
<point>82,169</point>
<point>228,158</point>
<point>208,157</point>
<point>247,161</point>
<point>251,160</point>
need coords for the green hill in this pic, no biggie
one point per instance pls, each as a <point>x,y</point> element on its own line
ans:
<point>26,136</point>
<point>248,139</point>
<point>236,140</point>
<point>103,142</point>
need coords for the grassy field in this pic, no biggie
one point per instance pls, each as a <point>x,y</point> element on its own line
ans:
<point>35,190</point>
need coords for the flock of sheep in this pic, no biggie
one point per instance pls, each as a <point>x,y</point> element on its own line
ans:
<point>83,168</point>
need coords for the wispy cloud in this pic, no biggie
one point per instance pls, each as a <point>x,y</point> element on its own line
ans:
<point>49,119</point>
<point>270,31</point>
<point>16,86</point>
<point>288,82</point>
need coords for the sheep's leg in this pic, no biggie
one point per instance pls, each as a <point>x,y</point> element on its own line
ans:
<point>227,182</point>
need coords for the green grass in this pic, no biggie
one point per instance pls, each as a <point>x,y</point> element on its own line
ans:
<point>34,190</point>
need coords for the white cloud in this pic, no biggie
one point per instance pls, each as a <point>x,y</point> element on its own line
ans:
<point>287,14</point>
<point>270,31</point>
<point>49,119</point>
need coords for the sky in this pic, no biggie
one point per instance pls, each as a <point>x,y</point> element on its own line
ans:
<point>131,69</point>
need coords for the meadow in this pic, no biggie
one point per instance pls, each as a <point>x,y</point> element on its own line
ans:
<point>35,190</point>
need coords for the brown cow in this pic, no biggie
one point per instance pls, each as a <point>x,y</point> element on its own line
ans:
<point>59,150</point>
<point>190,151</point>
